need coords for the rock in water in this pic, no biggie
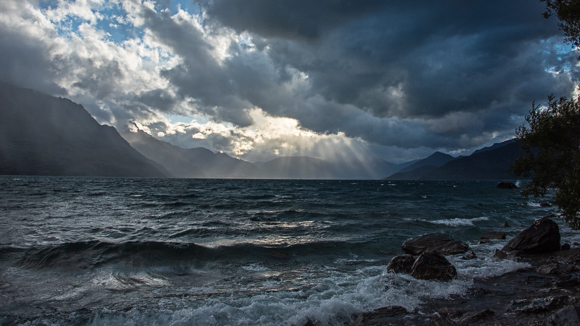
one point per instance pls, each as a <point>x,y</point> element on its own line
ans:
<point>469,255</point>
<point>493,235</point>
<point>543,236</point>
<point>569,316</point>
<point>401,264</point>
<point>565,246</point>
<point>433,266</point>
<point>499,254</point>
<point>506,185</point>
<point>430,242</point>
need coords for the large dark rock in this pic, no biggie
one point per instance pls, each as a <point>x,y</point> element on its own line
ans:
<point>542,236</point>
<point>506,185</point>
<point>401,264</point>
<point>430,242</point>
<point>380,316</point>
<point>433,266</point>
<point>569,316</point>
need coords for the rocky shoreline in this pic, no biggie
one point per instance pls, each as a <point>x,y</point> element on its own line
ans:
<point>546,293</point>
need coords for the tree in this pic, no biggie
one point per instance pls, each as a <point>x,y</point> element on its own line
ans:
<point>568,12</point>
<point>551,145</point>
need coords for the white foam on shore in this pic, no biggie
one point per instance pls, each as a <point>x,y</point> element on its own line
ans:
<point>326,296</point>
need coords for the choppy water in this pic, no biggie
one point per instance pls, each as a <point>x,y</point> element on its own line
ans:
<point>106,251</point>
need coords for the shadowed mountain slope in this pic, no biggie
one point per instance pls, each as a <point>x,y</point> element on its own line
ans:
<point>489,163</point>
<point>170,156</point>
<point>45,135</point>
<point>436,159</point>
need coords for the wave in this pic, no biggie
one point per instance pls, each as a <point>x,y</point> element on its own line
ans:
<point>93,254</point>
<point>458,221</point>
<point>258,197</point>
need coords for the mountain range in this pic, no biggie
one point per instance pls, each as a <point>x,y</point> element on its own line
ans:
<point>201,162</point>
<point>45,135</point>
<point>491,162</point>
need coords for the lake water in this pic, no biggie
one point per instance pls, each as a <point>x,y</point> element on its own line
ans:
<point>108,251</point>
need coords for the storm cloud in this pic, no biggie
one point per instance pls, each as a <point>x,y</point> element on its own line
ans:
<point>386,76</point>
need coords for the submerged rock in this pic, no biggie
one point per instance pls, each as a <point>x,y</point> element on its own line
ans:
<point>493,235</point>
<point>401,264</point>
<point>499,254</point>
<point>569,316</point>
<point>431,242</point>
<point>433,266</point>
<point>506,185</point>
<point>542,236</point>
<point>469,255</point>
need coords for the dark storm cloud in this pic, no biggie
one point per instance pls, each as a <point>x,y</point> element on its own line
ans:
<point>418,74</point>
<point>421,59</point>
<point>24,62</point>
<point>159,99</point>
<point>100,80</point>
<point>301,19</point>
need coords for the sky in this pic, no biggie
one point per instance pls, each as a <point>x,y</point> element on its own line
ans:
<point>331,79</point>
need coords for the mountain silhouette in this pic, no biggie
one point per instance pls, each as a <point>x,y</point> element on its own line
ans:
<point>44,135</point>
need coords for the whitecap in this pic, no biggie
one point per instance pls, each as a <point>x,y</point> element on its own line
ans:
<point>458,221</point>
<point>255,268</point>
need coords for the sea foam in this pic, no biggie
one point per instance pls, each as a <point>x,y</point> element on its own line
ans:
<point>458,221</point>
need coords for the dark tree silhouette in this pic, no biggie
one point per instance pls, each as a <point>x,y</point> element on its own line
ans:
<point>551,144</point>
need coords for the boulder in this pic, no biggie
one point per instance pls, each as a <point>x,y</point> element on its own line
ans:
<point>430,242</point>
<point>567,281</point>
<point>493,235</point>
<point>505,225</point>
<point>555,268</point>
<point>537,305</point>
<point>433,266</point>
<point>474,317</point>
<point>506,185</point>
<point>569,316</point>
<point>401,264</point>
<point>565,246</point>
<point>380,316</point>
<point>542,236</point>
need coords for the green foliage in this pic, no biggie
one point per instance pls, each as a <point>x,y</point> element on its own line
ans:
<point>568,12</point>
<point>551,144</point>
